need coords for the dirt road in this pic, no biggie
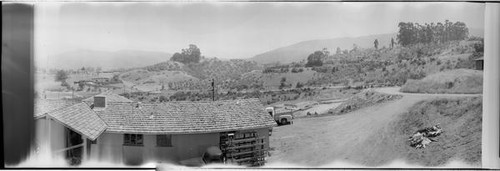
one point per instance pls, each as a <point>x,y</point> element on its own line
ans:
<point>322,140</point>
<point>395,90</point>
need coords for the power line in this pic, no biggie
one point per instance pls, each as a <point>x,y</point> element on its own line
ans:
<point>213,89</point>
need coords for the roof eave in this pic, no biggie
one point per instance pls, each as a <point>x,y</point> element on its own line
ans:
<point>184,133</point>
<point>78,131</point>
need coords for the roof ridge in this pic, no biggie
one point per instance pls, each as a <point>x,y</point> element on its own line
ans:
<point>66,116</point>
<point>184,102</point>
<point>52,110</point>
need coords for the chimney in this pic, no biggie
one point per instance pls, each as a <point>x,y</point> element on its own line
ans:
<point>99,101</point>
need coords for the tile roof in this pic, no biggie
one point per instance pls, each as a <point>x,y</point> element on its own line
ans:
<point>42,106</point>
<point>185,117</point>
<point>110,97</point>
<point>80,118</point>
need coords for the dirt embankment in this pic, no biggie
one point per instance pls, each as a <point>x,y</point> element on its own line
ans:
<point>454,81</point>
<point>461,120</point>
<point>361,100</point>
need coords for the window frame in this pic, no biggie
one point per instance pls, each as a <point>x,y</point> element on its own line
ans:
<point>133,140</point>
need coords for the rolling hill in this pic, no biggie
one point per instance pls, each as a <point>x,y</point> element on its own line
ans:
<point>300,51</point>
<point>106,59</point>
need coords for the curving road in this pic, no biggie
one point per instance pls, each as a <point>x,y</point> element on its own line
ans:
<point>319,141</point>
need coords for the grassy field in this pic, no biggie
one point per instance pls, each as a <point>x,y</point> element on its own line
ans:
<point>453,81</point>
<point>147,77</point>
<point>273,80</point>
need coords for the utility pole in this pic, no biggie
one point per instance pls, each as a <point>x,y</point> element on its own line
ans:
<point>213,89</point>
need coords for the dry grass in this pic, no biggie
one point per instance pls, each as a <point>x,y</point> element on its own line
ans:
<point>273,80</point>
<point>461,81</point>
<point>460,118</point>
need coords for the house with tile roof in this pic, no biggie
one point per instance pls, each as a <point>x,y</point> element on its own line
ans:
<point>133,133</point>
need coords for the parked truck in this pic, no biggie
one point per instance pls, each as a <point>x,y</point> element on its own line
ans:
<point>282,116</point>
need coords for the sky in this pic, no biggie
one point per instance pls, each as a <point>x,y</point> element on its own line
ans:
<point>227,30</point>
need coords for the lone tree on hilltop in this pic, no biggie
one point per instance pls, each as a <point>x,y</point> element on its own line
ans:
<point>392,43</point>
<point>375,43</point>
<point>188,55</point>
<point>62,76</point>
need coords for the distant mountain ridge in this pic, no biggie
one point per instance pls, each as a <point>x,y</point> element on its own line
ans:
<point>105,59</point>
<point>300,51</point>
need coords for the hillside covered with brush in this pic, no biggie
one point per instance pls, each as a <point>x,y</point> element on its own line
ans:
<point>299,51</point>
<point>189,70</point>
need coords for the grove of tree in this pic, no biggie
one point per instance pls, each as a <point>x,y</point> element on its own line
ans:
<point>188,55</point>
<point>413,33</point>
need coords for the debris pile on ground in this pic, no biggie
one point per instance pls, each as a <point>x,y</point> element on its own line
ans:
<point>424,137</point>
<point>363,99</point>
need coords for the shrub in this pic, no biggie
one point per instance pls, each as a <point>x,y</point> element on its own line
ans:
<point>163,98</point>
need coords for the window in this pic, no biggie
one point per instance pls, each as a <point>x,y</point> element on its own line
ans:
<point>132,140</point>
<point>164,140</point>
